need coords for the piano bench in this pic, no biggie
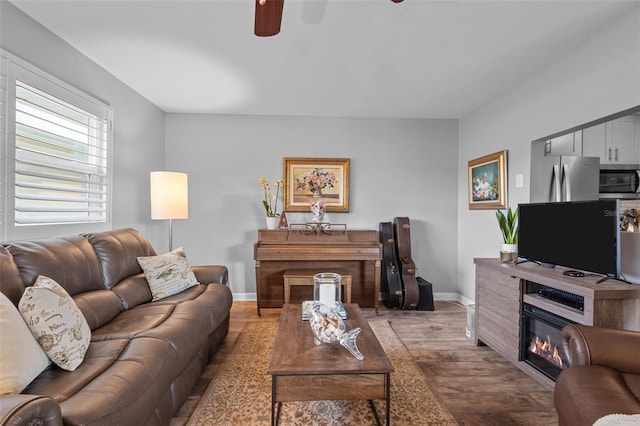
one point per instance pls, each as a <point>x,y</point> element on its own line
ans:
<point>305,277</point>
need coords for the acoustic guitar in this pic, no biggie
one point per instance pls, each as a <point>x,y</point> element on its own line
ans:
<point>391,287</point>
<point>402,234</point>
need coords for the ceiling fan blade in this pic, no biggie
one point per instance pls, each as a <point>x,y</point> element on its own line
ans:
<point>268,17</point>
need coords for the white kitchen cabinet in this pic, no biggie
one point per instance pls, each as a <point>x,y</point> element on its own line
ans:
<point>570,144</point>
<point>615,142</point>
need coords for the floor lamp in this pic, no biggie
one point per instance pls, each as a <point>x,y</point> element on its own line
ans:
<point>169,198</point>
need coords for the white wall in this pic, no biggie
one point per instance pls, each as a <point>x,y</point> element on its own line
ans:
<point>398,168</point>
<point>138,124</point>
<point>600,77</point>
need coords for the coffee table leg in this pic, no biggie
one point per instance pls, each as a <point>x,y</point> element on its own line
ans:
<point>275,420</point>
<point>387,392</point>
<point>375,412</point>
<point>273,401</point>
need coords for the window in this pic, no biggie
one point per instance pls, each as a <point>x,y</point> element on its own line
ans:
<point>60,161</point>
<point>57,151</point>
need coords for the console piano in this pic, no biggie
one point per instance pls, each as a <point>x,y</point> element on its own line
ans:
<point>314,247</point>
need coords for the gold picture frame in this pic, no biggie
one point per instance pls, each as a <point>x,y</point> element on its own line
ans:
<point>316,179</point>
<point>488,181</point>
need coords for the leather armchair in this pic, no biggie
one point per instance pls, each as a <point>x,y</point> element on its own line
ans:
<point>603,375</point>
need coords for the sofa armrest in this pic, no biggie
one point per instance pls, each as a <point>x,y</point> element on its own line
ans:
<point>21,409</point>
<point>206,274</point>
<point>608,347</point>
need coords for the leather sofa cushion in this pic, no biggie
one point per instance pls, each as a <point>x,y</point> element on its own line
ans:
<point>133,291</point>
<point>118,252</point>
<point>98,307</point>
<point>197,311</point>
<point>131,323</point>
<point>70,261</point>
<point>60,384</point>
<point>136,378</point>
<point>199,317</point>
<point>633,383</point>
<point>10,280</point>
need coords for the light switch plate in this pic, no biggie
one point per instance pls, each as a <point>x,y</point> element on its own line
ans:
<point>519,181</point>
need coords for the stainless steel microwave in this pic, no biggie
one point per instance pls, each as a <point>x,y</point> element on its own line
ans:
<point>620,181</point>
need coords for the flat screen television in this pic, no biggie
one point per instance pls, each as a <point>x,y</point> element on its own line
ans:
<point>580,235</point>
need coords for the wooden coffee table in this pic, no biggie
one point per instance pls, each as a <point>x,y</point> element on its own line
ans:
<point>303,371</point>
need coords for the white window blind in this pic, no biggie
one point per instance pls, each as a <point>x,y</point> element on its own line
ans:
<point>60,161</point>
<point>55,158</point>
<point>3,138</point>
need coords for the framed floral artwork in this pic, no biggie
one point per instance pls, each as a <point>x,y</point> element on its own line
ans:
<point>316,179</point>
<point>488,181</point>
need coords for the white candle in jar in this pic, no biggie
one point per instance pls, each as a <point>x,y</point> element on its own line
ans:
<point>328,294</point>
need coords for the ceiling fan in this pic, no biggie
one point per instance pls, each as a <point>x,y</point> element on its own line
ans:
<point>269,17</point>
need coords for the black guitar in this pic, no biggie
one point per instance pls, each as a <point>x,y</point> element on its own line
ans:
<point>390,273</point>
<point>402,234</point>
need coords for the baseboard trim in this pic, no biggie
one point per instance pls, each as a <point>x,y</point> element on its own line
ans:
<point>251,297</point>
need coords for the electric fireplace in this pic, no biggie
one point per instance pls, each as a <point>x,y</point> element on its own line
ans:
<point>541,338</point>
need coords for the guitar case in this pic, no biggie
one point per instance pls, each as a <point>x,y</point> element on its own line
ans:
<point>391,287</point>
<point>402,234</point>
<point>425,302</point>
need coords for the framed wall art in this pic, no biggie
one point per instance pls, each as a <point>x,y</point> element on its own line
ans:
<point>488,181</point>
<point>316,179</point>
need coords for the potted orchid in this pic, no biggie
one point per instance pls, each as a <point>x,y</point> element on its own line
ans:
<point>270,201</point>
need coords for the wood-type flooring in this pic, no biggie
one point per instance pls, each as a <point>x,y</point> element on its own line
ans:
<point>476,384</point>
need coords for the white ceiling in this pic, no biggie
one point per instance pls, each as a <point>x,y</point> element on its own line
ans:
<point>364,58</point>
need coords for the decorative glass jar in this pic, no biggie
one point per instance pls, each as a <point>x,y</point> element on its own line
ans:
<point>327,289</point>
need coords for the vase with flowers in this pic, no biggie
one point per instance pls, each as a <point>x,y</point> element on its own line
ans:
<point>316,180</point>
<point>270,201</point>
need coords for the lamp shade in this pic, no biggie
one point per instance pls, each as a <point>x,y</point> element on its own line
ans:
<point>169,195</point>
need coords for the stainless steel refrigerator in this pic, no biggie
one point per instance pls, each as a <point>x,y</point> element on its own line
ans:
<point>562,178</point>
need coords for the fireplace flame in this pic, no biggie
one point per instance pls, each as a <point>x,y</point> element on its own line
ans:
<point>544,349</point>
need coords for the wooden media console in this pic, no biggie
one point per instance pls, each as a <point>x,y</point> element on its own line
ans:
<point>502,289</point>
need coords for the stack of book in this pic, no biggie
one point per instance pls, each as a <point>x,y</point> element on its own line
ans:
<point>306,310</point>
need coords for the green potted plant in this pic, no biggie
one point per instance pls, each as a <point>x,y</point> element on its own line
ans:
<point>508,224</point>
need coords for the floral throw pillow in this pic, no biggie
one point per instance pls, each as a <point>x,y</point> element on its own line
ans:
<point>167,274</point>
<point>56,322</point>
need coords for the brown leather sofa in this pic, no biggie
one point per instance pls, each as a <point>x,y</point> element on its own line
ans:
<point>144,357</point>
<point>603,376</point>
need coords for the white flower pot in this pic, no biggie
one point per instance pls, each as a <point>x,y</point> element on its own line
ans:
<point>509,253</point>
<point>510,248</point>
<point>272,222</point>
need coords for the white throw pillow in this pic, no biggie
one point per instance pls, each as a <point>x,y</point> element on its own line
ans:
<point>56,322</point>
<point>167,274</point>
<point>21,357</point>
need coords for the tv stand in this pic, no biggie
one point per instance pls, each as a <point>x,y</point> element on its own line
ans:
<point>501,290</point>
<point>607,278</point>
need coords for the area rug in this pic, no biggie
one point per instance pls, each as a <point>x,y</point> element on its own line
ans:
<point>240,392</point>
